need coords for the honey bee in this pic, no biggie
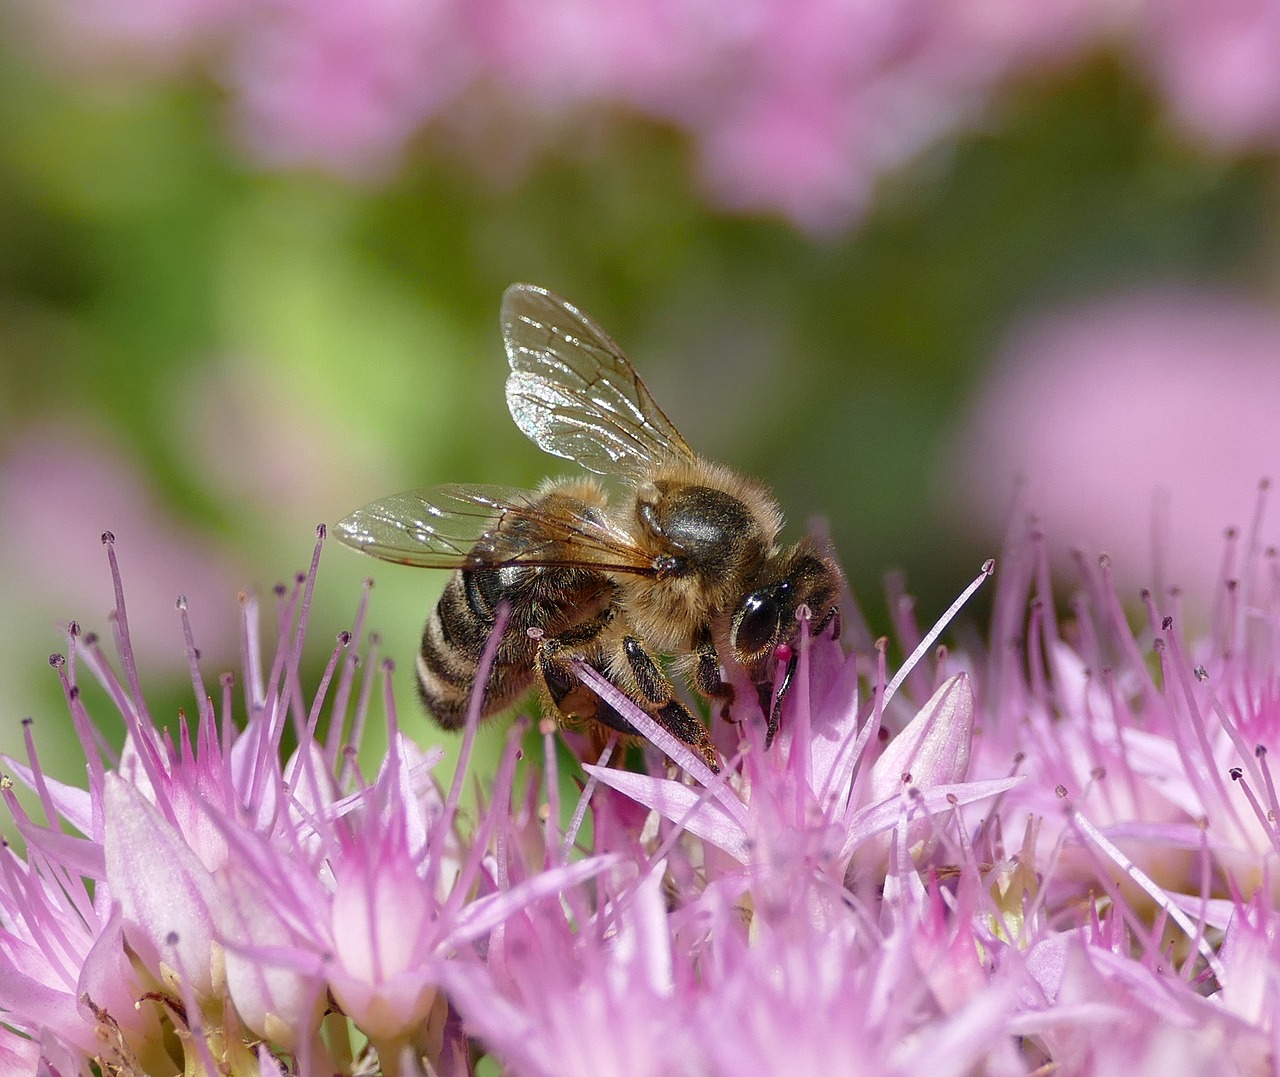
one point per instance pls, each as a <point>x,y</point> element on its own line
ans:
<point>686,564</point>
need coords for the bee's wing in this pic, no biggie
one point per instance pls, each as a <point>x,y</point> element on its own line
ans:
<point>574,393</point>
<point>450,527</point>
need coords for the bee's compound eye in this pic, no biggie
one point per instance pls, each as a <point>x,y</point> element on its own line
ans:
<point>755,627</point>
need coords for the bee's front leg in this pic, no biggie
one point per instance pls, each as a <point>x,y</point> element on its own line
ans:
<point>706,673</point>
<point>773,713</point>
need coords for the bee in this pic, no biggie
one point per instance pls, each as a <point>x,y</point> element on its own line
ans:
<point>685,564</point>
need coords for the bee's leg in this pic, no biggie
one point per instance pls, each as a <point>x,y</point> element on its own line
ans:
<point>774,712</point>
<point>589,642</point>
<point>706,672</point>
<point>659,701</point>
<point>831,620</point>
<point>571,697</point>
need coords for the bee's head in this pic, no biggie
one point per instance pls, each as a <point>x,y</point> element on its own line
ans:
<point>796,585</point>
<point>767,617</point>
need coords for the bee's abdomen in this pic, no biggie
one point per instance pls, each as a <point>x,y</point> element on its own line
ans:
<point>453,643</point>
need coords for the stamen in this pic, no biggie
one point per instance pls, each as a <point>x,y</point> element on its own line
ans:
<point>483,671</point>
<point>801,708</point>
<point>870,728</point>
<point>1222,620</point>
<point>226,722</point>
<point>551,780</point>
<point>651,731</point>
<point>122,629</point>
<point>359,720</point>
<point>1260,754</point>
<point>479,843</point>
<point>1148,885</point>
<point>389,698</point>
<point>988,568</point>
<point>1268,825</point>
<point>203,704</point>
<point>580,812</point>
<point>251,653</point>
<point>1206,882</point>
<point>346,682</point>
<point>313,716</point>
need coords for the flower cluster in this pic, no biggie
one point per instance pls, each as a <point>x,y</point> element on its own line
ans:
<point>1170,358</point>
<point>1057,854</point>
<point>794,106</point>
<point>206,907</point>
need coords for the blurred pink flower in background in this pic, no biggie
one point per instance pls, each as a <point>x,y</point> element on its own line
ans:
<point>1140,425</point>
<point>163,34</point>
<point>1218,63</point>
<point>796,108</point>
<point>819,100</point>
<point>60,488</point>
<point>344,86</point>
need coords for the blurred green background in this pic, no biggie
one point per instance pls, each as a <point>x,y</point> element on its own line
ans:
<point>263,349</point>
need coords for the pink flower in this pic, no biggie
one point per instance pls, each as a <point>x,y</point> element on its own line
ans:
<point>1138,426</point>
<point>799,108</point>
<point>233,895</point>
<point>345,86</point>
<point>822,794</point>
<point>1218,63</point>
<point>160,34</point>
<point>57,486</point>
<point>796,108</point>
<point>1060,853</point>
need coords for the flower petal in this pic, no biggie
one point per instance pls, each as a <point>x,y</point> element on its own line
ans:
<point>933,748</point>
<point>166,894</point>
<point>681,804</point>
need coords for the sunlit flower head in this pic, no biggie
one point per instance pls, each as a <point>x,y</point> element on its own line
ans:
<point>1057,853</point>
<point>203,892</point>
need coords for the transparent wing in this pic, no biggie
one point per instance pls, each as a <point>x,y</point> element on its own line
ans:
<point>461,526</point>
<point>574,393</point>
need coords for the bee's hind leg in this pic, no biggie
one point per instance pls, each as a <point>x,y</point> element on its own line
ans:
<point>556,655</point>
